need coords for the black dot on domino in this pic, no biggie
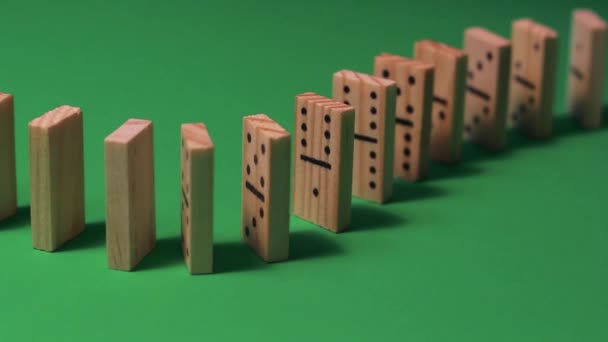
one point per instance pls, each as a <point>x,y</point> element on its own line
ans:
<point>248,170</point>
<point>347,89</point>
<point>315,192</point>
<point>254,223</point>
<point>406,166</point>
<point>385,73</point>
<point>486,110</point>
<point>263,149</point>
<point>373,95</point>
<point>409,109</point>
<point>489,56</point>
<point>248,137</point>
<point>479,65</point>
<point>262,181</point>
<point>372,155</point>
<point>327,118</point>
<point>411,80</point>
<point>372,184</point>
<point>303,142</point>
<point>261,212</point>
<point>408,137</point>
<point>327,135</point>
<point>372,125</point>
<point>372,170</point>
<point>406,151</point>
<point>398,91</point>
<point>247,231</point>
<point>327,150</point>
<point>304,127</point>
<point>347,103</point>
<point>373,110</point>
<point>442,115</point>
<point>303,111</point>
<point>255,159</point>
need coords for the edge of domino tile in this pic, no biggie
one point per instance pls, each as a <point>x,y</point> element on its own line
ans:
<point>55,116</point>
<point>440,47</point>
<point>196,136</point>
<point>487,36</point>
<point>350,74</point>
<point>540,28</point>
<point>5,96</point>
<point>589,18</point>
<point>267,124</point>
<point>128,131</point>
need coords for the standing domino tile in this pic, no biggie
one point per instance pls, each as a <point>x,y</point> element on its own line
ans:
<point>587,65</point>
<point>8,180</point>
<point>56,177</point>
<point>130,212</point>
<point>323,161</point>
<point>265,187</point>
<point>487,88</point>
<point>412,113</point>
<point>374,101</point>
<point>533,76</point>
<point>448,99</point>
<point>197,198</point>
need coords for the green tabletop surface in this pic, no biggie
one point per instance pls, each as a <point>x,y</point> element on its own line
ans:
<point>508,246</point>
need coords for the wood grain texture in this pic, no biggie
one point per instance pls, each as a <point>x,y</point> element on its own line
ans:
<point>130,211</point>
<point>56,177</point>
<point>413,112</point>
<point>487,88</point>
<point>448,98</point>
<point>265,187</point>
<point>323,161</point>
<point>197,198</point>
<point>587,65</point>
<point>533,77</point>
<point>374,101</point>
<point>8,176</point>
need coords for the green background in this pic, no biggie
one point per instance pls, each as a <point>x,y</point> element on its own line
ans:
<point>502,247</point>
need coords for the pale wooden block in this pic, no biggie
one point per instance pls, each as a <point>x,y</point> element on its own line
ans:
<point>197,198</point>
<point>56,177</point>
<point>533,77</point>
<point>487,88</point>
<point>130,210</point>
<point>448,99</point>
<point>412,113</point>
<point>323,161</point>
<point>265,187</point>
<point>374,101</point>
<point>8,177</point>
<point>587,65</point>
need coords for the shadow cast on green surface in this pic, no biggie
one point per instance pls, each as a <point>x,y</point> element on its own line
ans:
<point>19,220</point>
<point>373,217</point>
<point>311,244</point>
<point>93,236</point>
<point>404,191</point>
<point>452,170</point>
<point>234,256</point>
<point>166,253</point>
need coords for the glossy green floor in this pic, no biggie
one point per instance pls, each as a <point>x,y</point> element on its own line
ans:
<point>505,247</point>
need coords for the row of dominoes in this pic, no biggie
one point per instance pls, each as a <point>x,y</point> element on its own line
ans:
<point>373,128</point>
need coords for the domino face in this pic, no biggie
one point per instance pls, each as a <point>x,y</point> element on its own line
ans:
<point>56,177</point>
<point>412,113</point>
<point>374,101</point>
<point>323,161</point>
<point>265,187</point>
<point>8,180</point>
<point>533,76</point>
<point>487,87</point>
<point>448,98</point>
<point>130,210</point>
<point>197,198</point>
<point>587,65</point>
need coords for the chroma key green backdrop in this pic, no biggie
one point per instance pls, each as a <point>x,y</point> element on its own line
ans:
<point>502,247</point>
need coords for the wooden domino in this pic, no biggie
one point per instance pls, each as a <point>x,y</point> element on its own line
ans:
<point>412,113</point>
<point>197,198</point>
<point>374,101</point>
<point>323,161</point>
<point>265,187</point>
<point>130,211</point>
<point>56,177</point>
<point>448,98</point>
<point>487,94</point>
<point>533,77</point>
<point>8,180</point>
<point>587,65</point>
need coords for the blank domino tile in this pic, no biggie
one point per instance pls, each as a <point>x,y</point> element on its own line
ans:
<point>130,212</point>
<point>323,161</point>
<point>197,198</point>
<point>533,76</point>
<point>587,65</point>
<point>8,181</point>
<point>412,113</point>
<point>265,206</point>
<point>374,101</point>
<point>448,99</point>
<point>485,117</point>
<point>56,177</point>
